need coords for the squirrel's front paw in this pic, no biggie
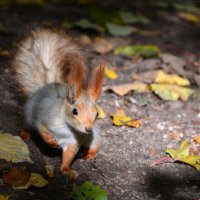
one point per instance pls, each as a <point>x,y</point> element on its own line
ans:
<point>91,154</point>
<point>72,174</point>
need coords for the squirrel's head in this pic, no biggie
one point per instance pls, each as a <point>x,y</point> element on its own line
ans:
<point>81,110</point>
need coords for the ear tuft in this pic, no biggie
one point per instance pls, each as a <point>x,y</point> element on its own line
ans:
<point>95,82</point>
<point>71,93</point>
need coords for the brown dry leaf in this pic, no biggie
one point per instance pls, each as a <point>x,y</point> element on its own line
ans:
<point>146,77</point>
<point>17,176</point>
<point>50,169</point>
<point>197,138</point>
<point>13,148</point>
<point>85,39</point>
<point>102,45</point>
<point>4,53</point>
<point>121,119</point>
<point>35,180</point>
<point>189,17</point>
<point>124,89</point>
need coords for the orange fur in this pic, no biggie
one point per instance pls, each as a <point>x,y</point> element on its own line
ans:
<point>67,158</point>
<point>94,84</point>
<point>48,138</point>
<point>91,154</point>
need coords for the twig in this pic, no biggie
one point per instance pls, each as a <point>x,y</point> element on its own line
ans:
<point>162,160</point>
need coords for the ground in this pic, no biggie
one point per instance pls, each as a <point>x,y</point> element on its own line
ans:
<point>123,163</point>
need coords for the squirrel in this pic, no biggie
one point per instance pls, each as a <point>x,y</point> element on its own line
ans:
<point>50,69</point>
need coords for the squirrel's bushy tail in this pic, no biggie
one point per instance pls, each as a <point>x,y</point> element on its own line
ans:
<point>47,56</point>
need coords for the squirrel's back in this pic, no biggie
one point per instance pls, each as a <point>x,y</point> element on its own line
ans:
<point>47,56</point>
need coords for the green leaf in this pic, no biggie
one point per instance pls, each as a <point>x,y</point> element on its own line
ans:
<point>171,92</point>
<point>13,149</point>
<point>88,191</point>
<point>120,30</point>
<point>183,154</point>
<point>142,50</point>
<point>130,18</point>
<point>86,24</point>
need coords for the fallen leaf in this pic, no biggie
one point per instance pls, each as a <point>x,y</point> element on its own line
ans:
<point>163,77</point>
<point>183,154</point>
<point>101,113</point>
<point>121,119</point>
<point>84,39</point>
<point>171,92</point>
<point>129,18</point>
<point>89,191</point>
<point>35,180</point>
<point>120,30</point>
<point>4,197</point>
<point>86,24</point>
<point>146,77</point>
<point>140,50</point>
<point>197,138</point>
<point>189,17</point>
<point>124,89</point>
<point>4,53</point>
<point>110,73</point>
<point>102,45</point>
<point>50,169</point>
<point>13,149</point>
<point>17,176</point>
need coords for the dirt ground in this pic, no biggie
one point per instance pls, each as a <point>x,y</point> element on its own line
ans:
<point>123,164</point>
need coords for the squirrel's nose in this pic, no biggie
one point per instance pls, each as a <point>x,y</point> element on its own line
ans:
<point>88,129</point>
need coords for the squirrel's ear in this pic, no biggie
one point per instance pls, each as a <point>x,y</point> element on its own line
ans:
<point>95,82</point>
<point>71,93</point>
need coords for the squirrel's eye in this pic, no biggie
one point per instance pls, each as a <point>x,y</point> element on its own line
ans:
<point>75,111</point>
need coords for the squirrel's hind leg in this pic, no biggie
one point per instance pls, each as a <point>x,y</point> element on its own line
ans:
<point>46,136</point>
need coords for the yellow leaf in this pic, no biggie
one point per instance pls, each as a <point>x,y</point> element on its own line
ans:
<point>171,92</point>
<point>197,138</point>
<point>4,197</point>
<point>110,73</point>
<point>124,89</point>
<point>50,169</point>
<point>192,18</point>
<point>13,149</point>
<point>121,119</point>
<point>162,77</point>
<point>183,154</point>
<point>101,113</point>
<point>35,180</point>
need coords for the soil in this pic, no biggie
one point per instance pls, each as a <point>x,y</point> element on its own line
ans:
<point>122,166</point>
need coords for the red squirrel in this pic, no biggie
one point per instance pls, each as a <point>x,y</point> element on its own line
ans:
<point>51,69</point>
